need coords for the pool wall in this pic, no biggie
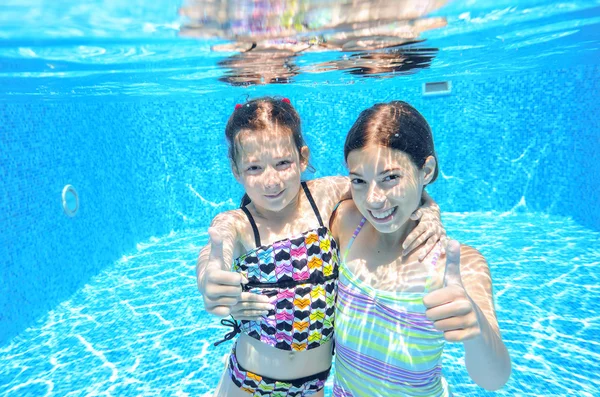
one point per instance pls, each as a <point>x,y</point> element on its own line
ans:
<point>526,141</point>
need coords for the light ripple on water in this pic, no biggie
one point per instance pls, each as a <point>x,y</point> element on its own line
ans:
<point>139,327</point>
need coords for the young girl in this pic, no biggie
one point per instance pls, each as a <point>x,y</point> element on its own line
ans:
<point>286,265</point>
<point>393,312</point>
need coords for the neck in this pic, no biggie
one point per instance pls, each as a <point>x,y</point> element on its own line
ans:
<point>287,212</point>
<point>393,241</point>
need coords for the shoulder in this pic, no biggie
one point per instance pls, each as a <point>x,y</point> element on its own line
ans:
<point>231,216</point>
<point>327,192</point>
<point>330,182</point>
<point>333,187</point>
<point>348,211</point>
<point>345,219</point>
<point>229,223</point>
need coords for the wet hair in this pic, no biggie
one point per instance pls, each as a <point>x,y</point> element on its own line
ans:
<point>396,125</point>
<point>265,113</point>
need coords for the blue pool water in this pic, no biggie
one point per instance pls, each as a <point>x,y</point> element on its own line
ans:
<point>138,328</point>
<point>110,99</point>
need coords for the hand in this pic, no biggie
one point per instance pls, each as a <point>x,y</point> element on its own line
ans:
<point>251,307</point>
<point>429,231</point>
<point>222,289</point>
<point>450,308</point>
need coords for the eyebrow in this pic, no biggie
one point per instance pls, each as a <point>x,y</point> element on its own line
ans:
<point>386,171</point>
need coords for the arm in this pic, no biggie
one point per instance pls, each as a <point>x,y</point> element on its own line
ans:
<point>333,189</point>
<point>329,191</point>
<point>464,311</point>
<point>429,231</point>
<point>220,288</point>
<point>222,240</point>
<point>486,356</point>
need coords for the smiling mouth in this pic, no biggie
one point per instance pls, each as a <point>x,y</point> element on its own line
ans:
<point>383,216</point>
<point>274,196</point>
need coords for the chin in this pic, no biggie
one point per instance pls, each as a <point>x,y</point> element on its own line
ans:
<point>387,228</point>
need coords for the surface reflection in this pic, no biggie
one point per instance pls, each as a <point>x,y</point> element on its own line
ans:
<point>383,37</point>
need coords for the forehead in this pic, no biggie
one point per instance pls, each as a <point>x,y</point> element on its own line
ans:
<point>377,158</point>
<point>254,145</point>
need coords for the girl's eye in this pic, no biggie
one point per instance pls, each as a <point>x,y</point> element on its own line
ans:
<point>357,181</point>
<point>391,178</point>
<point>253,168</point>
<point>284,163</point>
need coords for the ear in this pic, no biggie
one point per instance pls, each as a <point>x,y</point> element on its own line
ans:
<point>304,156</point>
<point>428,169</point>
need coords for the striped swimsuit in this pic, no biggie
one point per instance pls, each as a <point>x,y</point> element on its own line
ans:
<point>385,346</point>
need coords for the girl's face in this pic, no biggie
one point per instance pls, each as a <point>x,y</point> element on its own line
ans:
<point>269,167</point>
<point>387,185</point>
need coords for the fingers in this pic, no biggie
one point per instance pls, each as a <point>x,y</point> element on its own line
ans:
<point>251,315</point>
<point>219,311</point>
<point>219,301</point>
<point>444,243</point>
<point>448,310</point>
<point>415,216</point>
<point>251,307</point>
<point>249,297</point>
<point>442,296</point>
<point>224,277</point>
<point>461,335</point>
<point>215,292</point>
<point>246,306</point>
<point>429,246</point>
<point>452,276</point>
<point>220,284</point>
<point>415,239</point>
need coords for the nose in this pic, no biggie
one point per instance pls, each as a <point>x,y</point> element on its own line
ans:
<point>271,178</point>
<point>375,197</point>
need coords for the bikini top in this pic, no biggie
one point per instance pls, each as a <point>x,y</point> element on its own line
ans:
<point>299,275</point>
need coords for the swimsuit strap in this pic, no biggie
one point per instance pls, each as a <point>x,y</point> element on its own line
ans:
<point>432,268</point>
<point>312,203</point>
<point>253,224</point>
<point>356,231</point>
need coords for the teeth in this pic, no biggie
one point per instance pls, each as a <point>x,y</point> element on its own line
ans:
<point>381,215</point>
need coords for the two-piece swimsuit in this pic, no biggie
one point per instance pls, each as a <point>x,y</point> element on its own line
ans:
<point>299,275</point>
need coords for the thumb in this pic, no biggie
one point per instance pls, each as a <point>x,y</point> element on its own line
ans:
<point>215,259</point>
<point>452,275</point>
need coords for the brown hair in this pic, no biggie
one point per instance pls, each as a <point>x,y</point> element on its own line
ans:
<point>263,113</point>
<point>396,125</point>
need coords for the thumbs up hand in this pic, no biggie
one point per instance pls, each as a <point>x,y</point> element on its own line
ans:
<point>222,289</point>
<point>450,308</point>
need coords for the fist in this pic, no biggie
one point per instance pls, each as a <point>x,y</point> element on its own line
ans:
<point>450,308</point>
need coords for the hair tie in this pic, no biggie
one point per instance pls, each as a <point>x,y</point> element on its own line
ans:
<point>285,100</point>
<point>238,106</point>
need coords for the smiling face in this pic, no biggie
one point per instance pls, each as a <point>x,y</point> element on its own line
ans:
<point>387,185</point>
<point>269,167</point>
